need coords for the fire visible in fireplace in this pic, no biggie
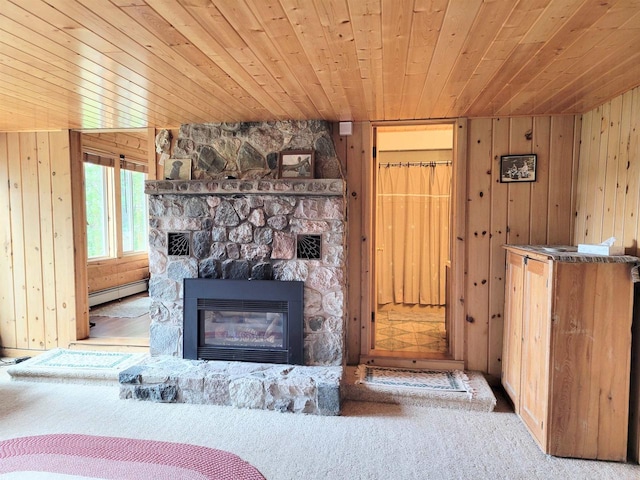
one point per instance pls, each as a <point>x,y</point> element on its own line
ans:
<point>245,329</point>
<point>243,320</point>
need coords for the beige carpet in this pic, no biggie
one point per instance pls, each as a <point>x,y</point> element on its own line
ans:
<point>369,441</point>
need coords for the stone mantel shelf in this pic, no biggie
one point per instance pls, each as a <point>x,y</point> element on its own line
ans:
<point>316,187</point>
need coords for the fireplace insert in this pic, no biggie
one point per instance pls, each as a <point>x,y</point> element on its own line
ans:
<point>243,320</point>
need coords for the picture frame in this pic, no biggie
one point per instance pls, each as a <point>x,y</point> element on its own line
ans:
<point>296,164</point>
<point>518,168</point>
<point>177,169</point>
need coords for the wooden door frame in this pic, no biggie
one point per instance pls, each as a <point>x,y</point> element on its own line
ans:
<point>80,330</point>
<point>366,241</point>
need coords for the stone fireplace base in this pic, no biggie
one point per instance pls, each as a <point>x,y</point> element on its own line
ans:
<point>284,388</point>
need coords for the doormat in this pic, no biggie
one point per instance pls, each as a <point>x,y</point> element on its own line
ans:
<point>427,388</point>
<point>68,456</point>
<point>75,366</point>
<point>442,381</point>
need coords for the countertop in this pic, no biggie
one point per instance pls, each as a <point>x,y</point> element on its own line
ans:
<point>568,253</point>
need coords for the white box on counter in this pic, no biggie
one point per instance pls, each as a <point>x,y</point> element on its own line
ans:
<point>600,249</point>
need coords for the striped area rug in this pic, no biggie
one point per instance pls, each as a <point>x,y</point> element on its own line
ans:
<point>70,456</point>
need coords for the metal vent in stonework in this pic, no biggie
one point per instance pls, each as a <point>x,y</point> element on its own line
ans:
<point>308,247</point>
<point>178,244</point>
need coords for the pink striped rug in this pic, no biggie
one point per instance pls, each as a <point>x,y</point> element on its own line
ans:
<point>71,456</point>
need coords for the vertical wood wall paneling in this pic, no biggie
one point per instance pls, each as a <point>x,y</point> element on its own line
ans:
<point>7,309</point>
<point>559,209</point>
<point>631,215</point>
<point>582,180</point>
<point>46,242</point>
<point>352,168</point>
<point>595,231</point>
<point>510,210</point>
<point>32,247</point>
<point>367,270</point>
<point>538,221</point>
<point>456,308</point>
<point>623,167</point>
<point>17,236</point>
<point>63,237</point>
<point>609,173</point>
<point>79,327</point>
<point>36,261</point>
<point>478,243</point>
<point>519,213</point>
<point>152,156</point>
<point>593,145</point>
<point>499,208</point>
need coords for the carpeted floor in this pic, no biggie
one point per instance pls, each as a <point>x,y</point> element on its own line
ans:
<point>369,441</point>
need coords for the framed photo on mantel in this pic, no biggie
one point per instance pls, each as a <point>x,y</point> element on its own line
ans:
<point>296,164</point>
<point>177,169</point>
<point>518,168</point>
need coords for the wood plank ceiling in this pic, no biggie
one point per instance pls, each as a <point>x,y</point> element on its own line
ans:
<point>137,63</point>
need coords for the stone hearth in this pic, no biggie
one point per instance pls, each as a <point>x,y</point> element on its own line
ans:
<point>282,388</point>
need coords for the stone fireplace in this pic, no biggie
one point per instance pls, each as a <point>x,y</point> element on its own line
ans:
<point>238,230</point>
<point>249,226</point>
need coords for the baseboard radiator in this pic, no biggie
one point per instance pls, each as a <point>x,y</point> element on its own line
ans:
<point>121,291</point>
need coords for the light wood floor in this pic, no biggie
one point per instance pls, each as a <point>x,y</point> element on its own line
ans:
<point>122,327</point>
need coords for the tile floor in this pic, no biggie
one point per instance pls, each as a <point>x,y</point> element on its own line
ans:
<point>411,329</point>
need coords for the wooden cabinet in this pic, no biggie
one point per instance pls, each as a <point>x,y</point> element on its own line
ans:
<point>567,349</point>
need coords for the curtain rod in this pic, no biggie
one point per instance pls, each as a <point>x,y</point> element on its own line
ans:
<point>414,164</point>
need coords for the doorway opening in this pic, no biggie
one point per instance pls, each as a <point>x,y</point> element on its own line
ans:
<point>412,201</point>
<point>115,165</point>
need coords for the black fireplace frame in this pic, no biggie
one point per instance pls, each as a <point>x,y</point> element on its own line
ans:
<point>198,290</point>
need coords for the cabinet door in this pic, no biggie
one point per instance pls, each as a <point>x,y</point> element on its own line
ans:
<point>536,330</point>
<point>512,336</point>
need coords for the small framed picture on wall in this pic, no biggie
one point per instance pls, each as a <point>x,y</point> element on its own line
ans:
<point>296,164</point>
<point>177,169</point>
<point>518,168</point>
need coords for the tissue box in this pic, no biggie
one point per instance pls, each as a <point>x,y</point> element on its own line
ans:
<point>600,249</point>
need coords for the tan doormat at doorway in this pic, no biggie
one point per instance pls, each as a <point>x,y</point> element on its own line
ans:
<point>436,380</point>
<point>443,388</point>
<point>75,366</point>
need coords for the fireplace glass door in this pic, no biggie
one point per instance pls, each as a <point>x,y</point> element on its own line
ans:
<point>236,328</point>
<point>244,320</point>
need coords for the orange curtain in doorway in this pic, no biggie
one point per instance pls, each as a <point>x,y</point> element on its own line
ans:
<point>412,244</point>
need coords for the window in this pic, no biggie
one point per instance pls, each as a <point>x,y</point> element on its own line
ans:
<point>134,211</point>
<point>97,181</point>
<point>111,235</point>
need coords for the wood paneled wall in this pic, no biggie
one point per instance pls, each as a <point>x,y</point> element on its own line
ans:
<point>132,144</point>
<point>511,213</point>
<point>38,308</point>
<point>608,186</point>
<point>354,151</point>
<point>496,214</point>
